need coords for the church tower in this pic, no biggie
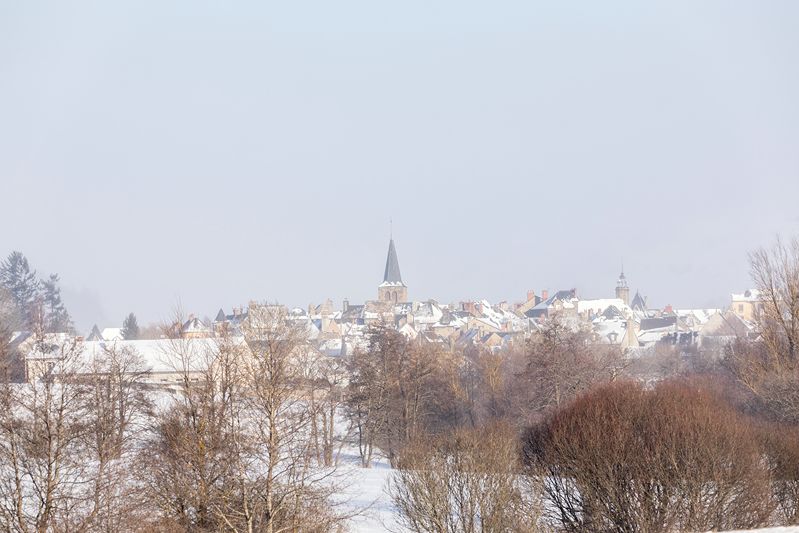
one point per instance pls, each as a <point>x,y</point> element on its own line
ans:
<point>622,290</point>
<point>392,290</point>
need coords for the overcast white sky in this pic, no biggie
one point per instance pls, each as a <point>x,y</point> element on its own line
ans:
<point>216,152</point>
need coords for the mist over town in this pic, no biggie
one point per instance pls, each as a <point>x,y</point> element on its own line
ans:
<point>449,267</point>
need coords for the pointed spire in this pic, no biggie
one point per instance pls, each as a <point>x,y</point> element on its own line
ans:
<point>622,281</point>
<point>392,273</point>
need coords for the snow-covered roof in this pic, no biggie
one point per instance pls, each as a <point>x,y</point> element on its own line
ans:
<point>598,306</point>
<point>195,325</point>
<point>698,317</point>
<point>112,334</point>
<point>158,356</point>
<point>751,295</point>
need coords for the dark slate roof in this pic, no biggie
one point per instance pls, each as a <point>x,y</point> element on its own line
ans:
<point>638,302</point>
<point>658,322</point>
<point>612,312</point>
<point>220,316</point>
<point>95,334</point>
<point>353,312</point>
<point>392,273</point>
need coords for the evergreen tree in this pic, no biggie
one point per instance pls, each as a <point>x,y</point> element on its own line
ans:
<point>130,328</point>
<point>56,317</point>
<point>21,282</point>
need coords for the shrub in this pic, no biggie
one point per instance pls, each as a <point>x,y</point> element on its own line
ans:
<point>623,458</point>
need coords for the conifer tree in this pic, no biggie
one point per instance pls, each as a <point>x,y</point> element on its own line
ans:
<point>57,319</point>
<point>21,282</point>
<point>130,328</point>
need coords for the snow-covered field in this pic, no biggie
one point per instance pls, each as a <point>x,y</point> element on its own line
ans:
<point>365,497</point>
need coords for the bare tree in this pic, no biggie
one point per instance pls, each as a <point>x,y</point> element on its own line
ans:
<point>117,411</point>
<point>325,379</point>
<point>192,450</point>
<point>289,491</point>
<point>562,362</point>
<point>42,432</point>
<point>768,367</point>
<point>235,452</point>
<point>775,272</point>
<point>390,392</point>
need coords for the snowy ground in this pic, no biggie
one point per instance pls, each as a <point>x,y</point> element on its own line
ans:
<point>366,495</point>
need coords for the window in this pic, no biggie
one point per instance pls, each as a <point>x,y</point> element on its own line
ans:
<point>741,308</point>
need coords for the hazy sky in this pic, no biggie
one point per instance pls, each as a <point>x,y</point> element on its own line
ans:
<point>215,152</point>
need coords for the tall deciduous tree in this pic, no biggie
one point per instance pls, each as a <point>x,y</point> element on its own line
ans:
<point>775,272</point>
<point>391,389</point>
<point>235,452</point>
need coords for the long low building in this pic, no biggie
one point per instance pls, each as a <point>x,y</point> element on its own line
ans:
<point>161,361</point>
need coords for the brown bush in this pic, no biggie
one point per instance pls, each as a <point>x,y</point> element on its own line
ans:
<point>623,458</point>
<point>465,482</point>
<point>781,447</point>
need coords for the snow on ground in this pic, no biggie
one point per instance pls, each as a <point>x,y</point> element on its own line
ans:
<point>365,495</point>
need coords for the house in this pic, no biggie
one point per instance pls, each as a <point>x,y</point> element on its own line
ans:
<point>563,302</point>
<point>194,328</point>
<point>229,323</point>
<point>724,328</point>
<point>532,301</point>
<point>748,305</point>
<point>590,309</point>
<point>161,362</point>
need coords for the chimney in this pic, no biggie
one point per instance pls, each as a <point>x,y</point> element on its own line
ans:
<point>668,309</point>
<point>530,295</point>
<point>346,305</point>
<point>544,294</point>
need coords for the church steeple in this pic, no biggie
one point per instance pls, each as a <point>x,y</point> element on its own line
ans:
<point>392,273</point>
<point>393,289</point>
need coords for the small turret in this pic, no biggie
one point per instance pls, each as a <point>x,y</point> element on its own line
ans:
<point>622,290</point>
